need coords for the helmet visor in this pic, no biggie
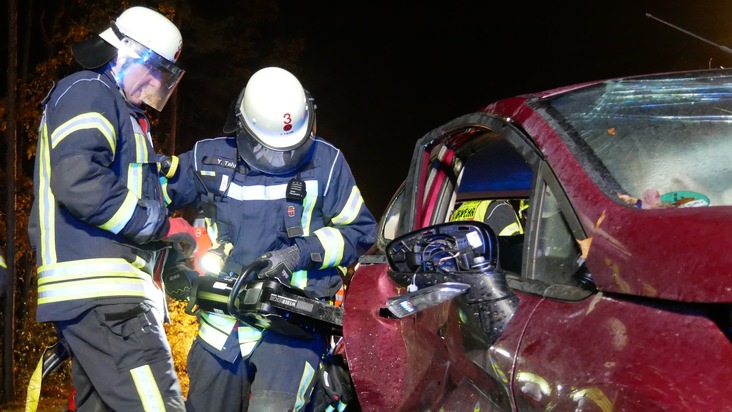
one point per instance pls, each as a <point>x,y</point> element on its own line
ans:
<point>272,161</point>
<point>145,75</point>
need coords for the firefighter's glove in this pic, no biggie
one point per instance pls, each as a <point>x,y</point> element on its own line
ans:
<point>178,277</point>
<point>181,234</point>
<point>281,263</point>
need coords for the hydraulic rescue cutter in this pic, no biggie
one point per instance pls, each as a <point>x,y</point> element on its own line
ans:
<point>265,303</point>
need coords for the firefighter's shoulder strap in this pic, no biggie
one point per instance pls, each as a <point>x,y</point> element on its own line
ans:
<point>51,359</point>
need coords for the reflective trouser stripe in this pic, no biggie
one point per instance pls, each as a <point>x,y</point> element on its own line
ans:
<point>34,387</point>
<point>308,373</point>
<point>148,389</point>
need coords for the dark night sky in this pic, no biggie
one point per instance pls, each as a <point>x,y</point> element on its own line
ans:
<point>384,75</point>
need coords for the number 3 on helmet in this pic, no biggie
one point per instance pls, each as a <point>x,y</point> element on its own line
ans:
<point>275,118</point>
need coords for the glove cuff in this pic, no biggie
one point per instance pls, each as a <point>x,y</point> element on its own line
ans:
<point>167,166</point>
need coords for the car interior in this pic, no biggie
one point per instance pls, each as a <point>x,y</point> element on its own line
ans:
<point>474,173</point>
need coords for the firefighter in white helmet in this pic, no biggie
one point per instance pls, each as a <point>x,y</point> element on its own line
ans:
<point>274,192</point>
<point>98,223</point>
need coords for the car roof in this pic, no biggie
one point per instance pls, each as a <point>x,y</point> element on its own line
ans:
<point>673,253</point>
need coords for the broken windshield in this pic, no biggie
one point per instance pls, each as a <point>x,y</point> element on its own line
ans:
<point>661,141</point>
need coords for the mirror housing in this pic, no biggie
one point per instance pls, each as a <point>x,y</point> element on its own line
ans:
<point>431,262</point>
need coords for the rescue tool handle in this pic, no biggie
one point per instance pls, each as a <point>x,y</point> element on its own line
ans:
<point>253,268</point>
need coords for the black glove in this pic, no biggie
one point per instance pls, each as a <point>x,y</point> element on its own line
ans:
<point>178,278</point>
<point>280,263</point>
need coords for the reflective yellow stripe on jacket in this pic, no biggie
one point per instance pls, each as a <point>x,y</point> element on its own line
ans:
<point>91,278</point>
<point>331,238</point>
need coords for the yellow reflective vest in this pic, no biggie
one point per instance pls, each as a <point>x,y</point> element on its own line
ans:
<point>499,215</point>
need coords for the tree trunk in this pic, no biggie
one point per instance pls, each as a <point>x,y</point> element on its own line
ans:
<point>10,164</point>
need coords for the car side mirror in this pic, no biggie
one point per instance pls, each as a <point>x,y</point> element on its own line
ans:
<point>444,248</point>
<point>455,253</point>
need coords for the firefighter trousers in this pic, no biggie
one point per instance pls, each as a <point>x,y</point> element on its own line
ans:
<point>121,360</point>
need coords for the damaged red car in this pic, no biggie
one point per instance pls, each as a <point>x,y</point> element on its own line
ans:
<point>608,289</point>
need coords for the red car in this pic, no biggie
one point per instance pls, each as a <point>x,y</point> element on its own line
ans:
<point>615,291</point>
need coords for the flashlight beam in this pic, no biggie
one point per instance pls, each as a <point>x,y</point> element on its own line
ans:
<point>720,47</point>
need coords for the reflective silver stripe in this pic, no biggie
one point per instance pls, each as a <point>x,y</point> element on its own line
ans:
<point>261,192</point>
<point>85,279</point>
<point>46,199</point>
<point>136,170</point>
<point>147,389</point>
<point>141,152</point>
<point>93,288</point>
<point>248,338</point>
<point>510,229</point>
<point>215,328</point>
<point>86,121</point>
<point>333,246</point>
<point>2,263</point>
<point>351,209</point>
<point>308,373</point>
<point>83,268</point>
<point>212,336</point>
<point>134,178</point>
<point>258,192</point>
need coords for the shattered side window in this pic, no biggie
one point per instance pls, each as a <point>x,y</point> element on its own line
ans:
<point>661,141</point>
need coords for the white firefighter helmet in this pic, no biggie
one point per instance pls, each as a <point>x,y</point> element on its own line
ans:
<point>141,37</point>
<point>275,118</point>
<point>148,28</point>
